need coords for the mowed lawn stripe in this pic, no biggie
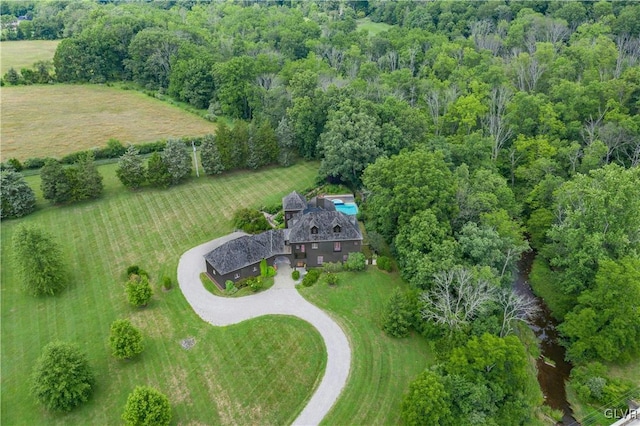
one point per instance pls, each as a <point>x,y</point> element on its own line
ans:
<point>153,228</point>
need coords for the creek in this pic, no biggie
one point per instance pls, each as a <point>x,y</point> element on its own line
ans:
<point>553,369</point>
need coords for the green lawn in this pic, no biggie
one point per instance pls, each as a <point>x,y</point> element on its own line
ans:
<point>372,27</point>
<point>381,366</point>
<point>23,53</point>
<point>259,372</point>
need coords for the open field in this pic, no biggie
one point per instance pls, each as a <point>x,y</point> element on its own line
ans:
<point>41,121</point>
<point>372,27</point>
<point>259,372</point>
<point>382,366</point>
<point>23,53</point>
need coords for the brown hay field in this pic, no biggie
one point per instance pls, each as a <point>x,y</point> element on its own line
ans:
<point>23,54</point>
<point>55,120</point>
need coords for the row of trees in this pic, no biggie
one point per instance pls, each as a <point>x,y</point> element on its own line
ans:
<point>170,167</point>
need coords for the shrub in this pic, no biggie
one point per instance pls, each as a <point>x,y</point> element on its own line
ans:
<point>592,386</point>
<point>125,340</point>
<point>16,164</point>
<point>62,378</point>
<point>230,288</point>
<point>17,199</point>
<point>271,271</point>
<point>333,267</point>
<point>138,290</point>
<point>263,268</point>
<point>250,221</point>
<point>147,406</point>
<point>331,278</point>
<point>256,283</point>
<point>311,277</point>
<point>356,262</point>
<point>384,263</point>
<point>295,275</point>
<point>34,163</point>
<point>133,270</point>
<point>279,218</point>
<point>167,283</point>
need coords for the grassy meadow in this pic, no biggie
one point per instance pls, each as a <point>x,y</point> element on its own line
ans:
<point>372,27</point>
<point>55,120</point>
<point>259,372</point>
<point>23,53</point>
<point>382,367</point>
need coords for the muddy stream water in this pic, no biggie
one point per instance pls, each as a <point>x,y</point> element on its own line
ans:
<point>553,370</point>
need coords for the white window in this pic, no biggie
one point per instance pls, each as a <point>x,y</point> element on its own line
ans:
<point>236,276</point>
<point>337,246</point>
<point>314,245</point>
<point>320,260</point>
<point>302,248</point>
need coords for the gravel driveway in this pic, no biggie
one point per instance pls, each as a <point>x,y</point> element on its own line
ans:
<point>281,299</point>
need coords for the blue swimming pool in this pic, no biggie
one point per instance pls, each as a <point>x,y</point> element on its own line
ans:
<point>347,208</point>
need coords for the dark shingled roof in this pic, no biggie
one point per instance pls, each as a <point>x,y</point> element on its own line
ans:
<point>246,250</point>
<point>301,224</point>
<point>294,201</point>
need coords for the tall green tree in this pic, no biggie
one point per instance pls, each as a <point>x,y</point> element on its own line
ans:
<point>88,181</point>
<point>131,171</point>
<point>286,142</point>
<point>598,218</point>
<point>397,315</point>
<point>210,156</point>
<point>427,401</point>
<point>38,260</point>
<point>62,378</point>
<point>54,182</point>
<point>605,324</point>
<point>158,172</point>
<point>405,184</point>
<point>17,199</point>
<point>178,161</point>
<point>349,143</point>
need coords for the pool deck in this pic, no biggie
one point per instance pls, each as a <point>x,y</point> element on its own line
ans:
<point>345,198</point>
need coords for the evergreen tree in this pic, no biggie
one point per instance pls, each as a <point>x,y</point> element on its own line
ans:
<point>158,172</point>
<point>286,142</point>
<point>239,139</point>
<point>177,159</point>
<point>54,182</point>
<point>265,138</point>
<point>38,260</point>
<point>12,77</point>
<point>130,169</point>
<point>397,315</point>
<point>210,156</point>
<point>224,144</point>
<point>16,197</point>
<point>254,153</point>
<point>88,184</point>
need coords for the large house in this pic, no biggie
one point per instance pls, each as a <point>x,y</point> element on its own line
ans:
<point>315,233</point>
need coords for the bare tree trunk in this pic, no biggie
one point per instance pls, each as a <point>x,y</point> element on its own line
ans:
<point>499,131</point>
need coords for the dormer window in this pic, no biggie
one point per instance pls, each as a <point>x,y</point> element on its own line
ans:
<point>314,229</point>
<point>337,229</point>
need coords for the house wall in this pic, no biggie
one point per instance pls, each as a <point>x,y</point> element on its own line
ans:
<point>235,276</point>
<point>288,214</point>
<point>325,249</point>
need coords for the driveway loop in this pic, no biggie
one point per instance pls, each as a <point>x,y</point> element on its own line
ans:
<point>281,299</point>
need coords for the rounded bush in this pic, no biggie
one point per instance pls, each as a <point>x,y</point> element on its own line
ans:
<point>384,263</point>
<point>147,406</point>
<point>295,275</point>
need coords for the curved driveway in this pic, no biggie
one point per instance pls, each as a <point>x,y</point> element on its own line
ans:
<point>282,299</point>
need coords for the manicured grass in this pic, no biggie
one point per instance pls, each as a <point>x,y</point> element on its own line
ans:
<point>382,367</point>
<point>54,120</point>
<point>259,372</point>
<point>244,291</point>
<point>372,27</point>
<point>23,54</point>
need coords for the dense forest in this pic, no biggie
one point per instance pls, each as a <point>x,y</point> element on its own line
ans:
<point>473,132</point>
